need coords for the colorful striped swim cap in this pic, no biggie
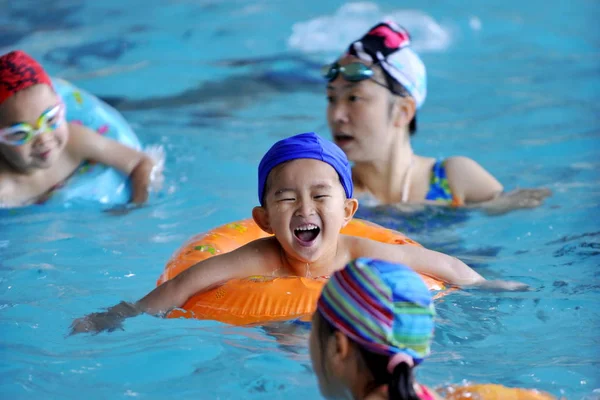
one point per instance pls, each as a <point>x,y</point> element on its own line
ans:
<point>382,306</point>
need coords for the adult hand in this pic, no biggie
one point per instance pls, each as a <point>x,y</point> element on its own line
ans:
<point>502,286</point>
<point>516,199</point>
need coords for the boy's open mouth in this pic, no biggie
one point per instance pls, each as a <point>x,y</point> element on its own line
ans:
<point>307,233</point>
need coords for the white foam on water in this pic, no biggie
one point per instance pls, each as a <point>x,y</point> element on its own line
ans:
<point>333,33</point>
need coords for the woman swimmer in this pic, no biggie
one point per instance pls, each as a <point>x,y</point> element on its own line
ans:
<point>374,91</point>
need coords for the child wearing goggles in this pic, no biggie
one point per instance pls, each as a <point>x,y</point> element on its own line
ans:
<point>374,91</point>
<point>39,149</point>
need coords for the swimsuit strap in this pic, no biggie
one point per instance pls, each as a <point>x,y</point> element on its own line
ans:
<point>406,185</point>
<point>439,188</point>
<point>425,394</point>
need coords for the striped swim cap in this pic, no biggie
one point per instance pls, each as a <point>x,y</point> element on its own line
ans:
<point>382,306</point>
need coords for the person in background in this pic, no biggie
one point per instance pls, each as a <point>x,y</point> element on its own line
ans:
<point>374,91</point>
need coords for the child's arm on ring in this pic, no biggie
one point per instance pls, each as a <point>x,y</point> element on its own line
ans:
<point>85,144</point>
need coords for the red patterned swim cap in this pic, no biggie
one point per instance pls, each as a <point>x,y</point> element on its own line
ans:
<point>19,71</point>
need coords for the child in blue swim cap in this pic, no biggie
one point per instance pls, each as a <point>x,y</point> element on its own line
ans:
<point>305,194</point>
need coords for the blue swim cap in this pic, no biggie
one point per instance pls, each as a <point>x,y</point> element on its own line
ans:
<point>305,145</point>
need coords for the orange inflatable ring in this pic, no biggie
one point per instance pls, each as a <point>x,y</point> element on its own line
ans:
<point>492,392</point>
<point>260,299</point>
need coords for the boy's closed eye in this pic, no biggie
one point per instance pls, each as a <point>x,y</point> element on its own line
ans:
<point>284,195</point>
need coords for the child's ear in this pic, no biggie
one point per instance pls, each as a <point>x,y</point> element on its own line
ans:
<point>338,353</point>
<point>261,217</point>
<point>350,207</point>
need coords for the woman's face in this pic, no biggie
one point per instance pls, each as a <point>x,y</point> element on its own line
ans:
<point>359,115</point>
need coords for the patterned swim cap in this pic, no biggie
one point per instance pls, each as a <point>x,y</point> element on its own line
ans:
<point>382,306</point>
<point>19,71</point>
<point>388,45</point>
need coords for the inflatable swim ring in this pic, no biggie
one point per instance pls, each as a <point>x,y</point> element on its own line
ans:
<point>259,299</point>
<point>492,392</point>
<point>94,181</point>
<point>265,299</point>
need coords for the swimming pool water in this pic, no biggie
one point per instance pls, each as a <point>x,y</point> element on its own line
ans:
<point>512,84</point>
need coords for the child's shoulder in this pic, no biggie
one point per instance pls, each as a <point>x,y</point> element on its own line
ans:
<point>265,250</point>
<point>79,138</point>
<point>359,246</point>
<point>257,257</point>
<point>7,188</point>
<point>351,240</point>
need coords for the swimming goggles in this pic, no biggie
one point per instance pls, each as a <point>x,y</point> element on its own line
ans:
<point>356,72</point>
<point>353,72</point>
<point>22,133</point>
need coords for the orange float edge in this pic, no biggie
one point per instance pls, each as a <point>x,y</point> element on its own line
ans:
<point>492,392</point>
<point>260,299</point>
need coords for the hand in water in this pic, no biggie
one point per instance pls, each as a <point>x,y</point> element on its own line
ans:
<point>158,156</point>
<point>517,199</point>
<point>96,323</point>
<point>110,320</point>
<point>502,286</point>
<point>122,209</point>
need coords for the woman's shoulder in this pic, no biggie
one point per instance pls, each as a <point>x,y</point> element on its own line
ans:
<point>459,162</point>
<point>457,167</point>
<point>469,181</point>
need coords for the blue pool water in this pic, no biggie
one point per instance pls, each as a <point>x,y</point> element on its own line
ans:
<point>513,85</point>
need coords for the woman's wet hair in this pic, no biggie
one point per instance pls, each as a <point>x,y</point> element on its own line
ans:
<point>397,89</point>
<point>400,383</point>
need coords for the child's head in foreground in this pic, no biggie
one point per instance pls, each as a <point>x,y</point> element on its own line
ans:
<point>33,131</point>
<point>305,191</point>
<point>374,323</point>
